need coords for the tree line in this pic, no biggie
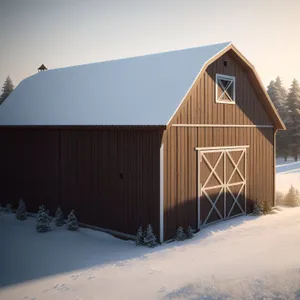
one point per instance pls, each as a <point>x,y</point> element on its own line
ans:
<point>287,103</point>
<point>7,88</point>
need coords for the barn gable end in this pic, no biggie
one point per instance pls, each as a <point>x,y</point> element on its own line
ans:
<point>200,122</point>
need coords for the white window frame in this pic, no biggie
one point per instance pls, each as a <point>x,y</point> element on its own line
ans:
<point>226,77</point>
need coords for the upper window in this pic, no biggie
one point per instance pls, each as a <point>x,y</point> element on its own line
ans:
<point>225,89</point>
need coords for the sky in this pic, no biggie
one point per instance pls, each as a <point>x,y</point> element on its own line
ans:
<point>60,33</point>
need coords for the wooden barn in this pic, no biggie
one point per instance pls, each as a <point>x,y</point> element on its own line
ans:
<point>173,139</point>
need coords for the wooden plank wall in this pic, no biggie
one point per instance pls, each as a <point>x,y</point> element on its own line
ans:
<point>200,107</point>
<point>180,175</point>
<point>110,177</point>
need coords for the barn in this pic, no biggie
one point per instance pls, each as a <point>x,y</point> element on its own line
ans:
<point>172,139</point>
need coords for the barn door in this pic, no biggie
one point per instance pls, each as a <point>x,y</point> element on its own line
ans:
<point>221,183</point>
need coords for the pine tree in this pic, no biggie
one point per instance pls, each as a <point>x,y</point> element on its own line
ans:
<point>281,89</point>
<point>139,240</point>
<point>258,209</point>
<point>149,237</point>
<point>292,197</point>
<point>293,123</point>
<point>278,96</point>
<point>189,233</point>
<point>180,234</point>
<point>42,220</point>
<point>59,217</point>
<point>7,88</point>
<point>21,213</point>
<point>72,221</point>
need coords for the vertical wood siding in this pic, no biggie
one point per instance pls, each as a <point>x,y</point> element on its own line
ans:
<point>180,176</point>
<point>110,177</point>
<point>200,106</point>
<point>180,157</point>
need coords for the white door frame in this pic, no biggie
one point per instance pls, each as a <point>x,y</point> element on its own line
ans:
<point>225,184</point>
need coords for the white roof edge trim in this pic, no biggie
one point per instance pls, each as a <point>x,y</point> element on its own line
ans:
<point>269,99</point>
<point>261,85</point>
<point>204,66</point>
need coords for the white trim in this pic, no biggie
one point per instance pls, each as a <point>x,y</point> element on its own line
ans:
<point>229,46</point>
<point>212,169</point>
<point>213,205</point>
<point>274,166</point>
<point>198,191</point>
<point>161,193</point>
<point>223,185</point>
<point>225,77</point>
<point>212,149</point>
<point>222,125</point>
<point>245,182</point>
<point>235,199</point>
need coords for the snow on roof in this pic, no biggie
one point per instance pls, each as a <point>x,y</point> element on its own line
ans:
<point>144,90</point>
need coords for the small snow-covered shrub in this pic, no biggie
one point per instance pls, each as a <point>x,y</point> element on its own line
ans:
<point>189,233</point>
<point>267,208</point>
<point>21,213</point>
<point>42,220</point>
<point>149,237</point>
<point>139,240</point>
<point>292,197</point>
<point>72,221</point>
<point>180,234</point>
<point>8,208</point>
<point>258,209</point>
<point>59,217</point>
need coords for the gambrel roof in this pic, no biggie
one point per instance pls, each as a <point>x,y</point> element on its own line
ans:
<point>144,90</point>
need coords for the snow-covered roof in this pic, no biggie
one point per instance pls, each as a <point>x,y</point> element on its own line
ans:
<point>144,90</point>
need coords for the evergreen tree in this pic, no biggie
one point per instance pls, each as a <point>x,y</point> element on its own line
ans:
<point>42,220</point>
<point>293,124</point>
<point>59,217</point>
<point>258,209</point>
<point>292,197</point>
<point>180,234</point>
<point>7,88</point>
<point>21,213</point>
<point>189,233</point>
<point>278,96</point>
<point>281,89</point>
<point>72,221</point>
<point>139,240</point>
<point>149,237</point>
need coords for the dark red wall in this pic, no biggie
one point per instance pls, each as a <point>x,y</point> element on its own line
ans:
<point>109,176</point>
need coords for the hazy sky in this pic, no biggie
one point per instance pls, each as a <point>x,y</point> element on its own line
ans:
<point>62,33</point>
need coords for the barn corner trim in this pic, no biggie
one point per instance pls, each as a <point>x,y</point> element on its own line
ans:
<point>278,123</point>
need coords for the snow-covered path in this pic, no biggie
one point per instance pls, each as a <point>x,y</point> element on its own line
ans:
<point>243,258</point>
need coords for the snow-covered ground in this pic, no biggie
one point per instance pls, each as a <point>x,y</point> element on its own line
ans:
<point>287,174</point>
<point>243,258</point>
